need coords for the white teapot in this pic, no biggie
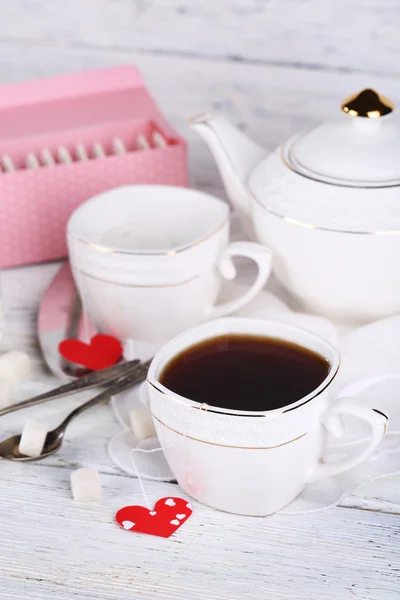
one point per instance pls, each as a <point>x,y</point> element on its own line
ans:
<point>327,202</point>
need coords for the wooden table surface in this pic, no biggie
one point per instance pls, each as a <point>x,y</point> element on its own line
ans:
<point>273,67</point>
<point>54,549</point>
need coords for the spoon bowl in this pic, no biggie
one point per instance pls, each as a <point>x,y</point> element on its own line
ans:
<point>9,448</point>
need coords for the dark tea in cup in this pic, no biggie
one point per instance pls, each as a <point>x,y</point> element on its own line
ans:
<point>245,372</point>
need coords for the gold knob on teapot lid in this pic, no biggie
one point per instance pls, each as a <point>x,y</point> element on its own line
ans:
<point>367,103</point>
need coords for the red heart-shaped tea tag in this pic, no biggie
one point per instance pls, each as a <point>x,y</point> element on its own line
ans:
<point>102,352</point>
<point>166,517</point>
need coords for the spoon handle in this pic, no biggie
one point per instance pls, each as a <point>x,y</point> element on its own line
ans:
<point>71,330</point>
<point>134,376</point>
<point>87,382</point>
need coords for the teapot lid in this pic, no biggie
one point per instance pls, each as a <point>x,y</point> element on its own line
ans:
<point>361,148</point>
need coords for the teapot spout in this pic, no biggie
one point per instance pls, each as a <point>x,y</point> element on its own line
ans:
<point>236,156</point>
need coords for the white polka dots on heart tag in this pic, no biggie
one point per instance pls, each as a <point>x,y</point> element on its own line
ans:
<point>180,517</point>
<point>170,502</point>
<point>189,506</point>
<point>175,522</point>
<point>152,513</point>
<point>128,524</point>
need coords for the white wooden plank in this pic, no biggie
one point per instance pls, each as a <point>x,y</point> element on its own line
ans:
<point>270,103</point>
<point>360,35</point>
<point>21,292</point>
<point>52,548</point>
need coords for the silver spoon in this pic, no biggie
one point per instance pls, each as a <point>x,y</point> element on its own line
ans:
<point>9,448</point>
<point>91,380</point>
<point>71,332</point>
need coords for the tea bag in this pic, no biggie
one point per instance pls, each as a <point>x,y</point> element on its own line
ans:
<point>150,465</point>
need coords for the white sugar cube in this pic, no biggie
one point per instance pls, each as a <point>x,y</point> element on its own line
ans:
<point>129,350</point>
<point>85,485</point>
<point>142,423</point>
<point>143,393</point>
<point>15,365</point>
<point>6,391</point>
<point>33,438</point>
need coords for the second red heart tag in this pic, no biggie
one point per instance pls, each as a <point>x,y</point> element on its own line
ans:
<point>167,516</point>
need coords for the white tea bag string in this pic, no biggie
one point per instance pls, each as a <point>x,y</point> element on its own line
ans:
<point>146,500</point>
<point>203,407</point>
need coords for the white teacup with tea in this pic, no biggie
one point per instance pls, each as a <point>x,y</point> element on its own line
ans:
<point>149,260</point>
<point>243,408</point>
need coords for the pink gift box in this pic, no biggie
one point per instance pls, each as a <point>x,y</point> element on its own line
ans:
<point>84,108</point>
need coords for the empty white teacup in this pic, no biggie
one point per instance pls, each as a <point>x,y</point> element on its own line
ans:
<point>149,260</point>
<point>253,462</point>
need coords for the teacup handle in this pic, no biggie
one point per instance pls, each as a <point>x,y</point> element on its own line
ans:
<point>261,255</point>
<point>346,406</point>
